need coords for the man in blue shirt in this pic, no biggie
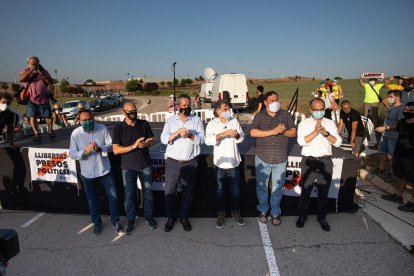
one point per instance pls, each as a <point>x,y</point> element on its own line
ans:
<point>90,144</point>
<point>183,134</point>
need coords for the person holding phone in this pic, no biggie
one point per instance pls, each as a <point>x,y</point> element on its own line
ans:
<point>131,139</point>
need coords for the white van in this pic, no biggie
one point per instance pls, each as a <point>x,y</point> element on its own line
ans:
<point>205,91</point>
<point>232,87</point>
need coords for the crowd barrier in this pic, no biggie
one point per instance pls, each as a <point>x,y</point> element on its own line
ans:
<point>18,191</point>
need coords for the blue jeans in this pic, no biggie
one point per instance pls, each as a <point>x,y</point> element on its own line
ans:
<point>263,172</point>
<point>230,176</point>
<point>130,187</point>
<point>108,182</point>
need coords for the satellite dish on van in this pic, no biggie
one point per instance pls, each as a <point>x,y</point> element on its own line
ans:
<point>209,74</point>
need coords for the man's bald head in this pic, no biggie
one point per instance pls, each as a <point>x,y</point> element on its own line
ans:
<point>129,106</point>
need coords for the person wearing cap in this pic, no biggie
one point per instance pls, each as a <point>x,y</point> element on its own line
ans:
<point>337,89</point>
<point>81,107</point>
<point>372,97</point>
<point>321,89</point>
<point>58,118</point>
<point>170,104</point>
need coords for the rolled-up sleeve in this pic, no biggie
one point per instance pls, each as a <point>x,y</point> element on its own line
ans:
<point>199,133</point>
<point>166,132</point>
<point>210,134</point>
<point>108,143</point>
<point>241,134</point>
<point>74,151</point>
<point>301,135</point>
<point>333,130</point>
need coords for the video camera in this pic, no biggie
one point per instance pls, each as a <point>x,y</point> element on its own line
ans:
<point>9,245</point>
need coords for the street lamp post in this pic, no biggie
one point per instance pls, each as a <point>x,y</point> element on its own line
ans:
<point>56,84</point>
<point>173,69</point>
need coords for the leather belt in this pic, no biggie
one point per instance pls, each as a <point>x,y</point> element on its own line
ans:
<point>182,161</point>
<point>320,157</point>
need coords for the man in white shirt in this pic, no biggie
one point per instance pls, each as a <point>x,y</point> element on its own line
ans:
<point>316,135</point>
<point>224,133</point>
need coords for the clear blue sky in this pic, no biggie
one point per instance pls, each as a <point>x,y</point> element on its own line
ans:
<point>105,39</point>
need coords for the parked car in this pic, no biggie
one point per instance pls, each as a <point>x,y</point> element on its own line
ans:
<point>70,109</point>
<point>116,99</point>
<point>121,97</point>
<point>111,101</point>
<point>99,105</point>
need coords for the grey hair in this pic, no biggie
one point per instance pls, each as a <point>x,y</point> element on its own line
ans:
<point>33,57</point>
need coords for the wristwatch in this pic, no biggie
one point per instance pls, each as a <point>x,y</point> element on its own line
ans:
<point>327,134</point>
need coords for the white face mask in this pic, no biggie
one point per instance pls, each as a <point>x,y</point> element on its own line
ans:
<point>226,115</point>
<point>274,107</point>
<point>3,106</point>
<point>391,100</point>
<point>372,83</point>
<point>57,112</point>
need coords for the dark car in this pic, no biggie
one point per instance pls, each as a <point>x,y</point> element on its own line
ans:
<point>111,101</point>
<point>100,105</point>
<point>116,99</point>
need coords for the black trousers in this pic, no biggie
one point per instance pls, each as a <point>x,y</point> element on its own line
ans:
<point>176,173</point>
<point>320,170</point>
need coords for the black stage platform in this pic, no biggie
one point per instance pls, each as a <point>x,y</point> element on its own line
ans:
<point>17,191</point>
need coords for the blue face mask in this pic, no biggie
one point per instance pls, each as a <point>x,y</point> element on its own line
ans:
<point>318,114</point>
<point>226,114</point>
<point>88,125</point>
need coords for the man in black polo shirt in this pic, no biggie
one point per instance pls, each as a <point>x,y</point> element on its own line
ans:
<point>272,127</point>
<point>7,117</point>
<point>351,120</point>
<point>131,139</point>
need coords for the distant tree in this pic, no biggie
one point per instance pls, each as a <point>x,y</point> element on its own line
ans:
<point>64,86</point>
<point>337,78</point>
<point>162,83</point>
<point>15,87</point>
<point>89,81</point>
<point>169,83</point>
<point>133,86</point>
<point>183,82</point>
<point>200,78</point>
<point>176,81</point>
<point>5,86</point>
<point>189,81</point>
<point>196,79</point>
<point>141,81</point>
<point>150,86</point>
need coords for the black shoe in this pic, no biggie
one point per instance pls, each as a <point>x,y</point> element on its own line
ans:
<point>130,227</point>
<point>324,224</point>
<point>393,198</point>
<point>169,225</point>
<point>152,224</point>
<point>97,229</point>
<point>119,229</point>
<point>301,221</point>
<point>186,224</point>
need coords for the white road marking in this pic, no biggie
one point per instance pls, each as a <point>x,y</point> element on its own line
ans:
<point>267,245</point>
<point>38,216</point>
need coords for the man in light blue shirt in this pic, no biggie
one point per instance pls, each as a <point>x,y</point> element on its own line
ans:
<point>183,134</point>
<point>90,145</point>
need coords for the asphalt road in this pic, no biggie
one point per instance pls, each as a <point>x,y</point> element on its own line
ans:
<point>59,244</point>
<point>62,244</point>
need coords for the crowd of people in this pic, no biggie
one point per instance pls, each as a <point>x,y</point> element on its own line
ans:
<point>183,133</point>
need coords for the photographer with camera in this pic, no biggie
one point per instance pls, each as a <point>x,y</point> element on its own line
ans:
<point>37,80</point>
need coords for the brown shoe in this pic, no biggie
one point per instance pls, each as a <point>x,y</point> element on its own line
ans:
<point>263,218</point>
<point>276,221</point>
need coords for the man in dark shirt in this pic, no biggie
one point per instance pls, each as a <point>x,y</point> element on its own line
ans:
<point>272,127</point>
<point>403,159</point>
<point>131,139</point>
<point>260,99</point>
<point>350,119</point>
<point>7,117</point>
